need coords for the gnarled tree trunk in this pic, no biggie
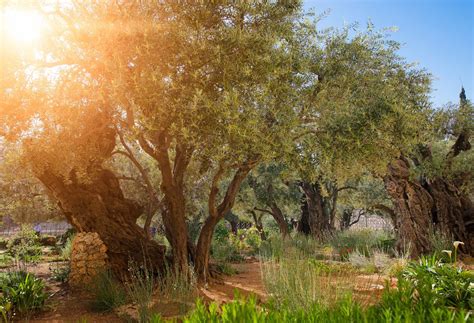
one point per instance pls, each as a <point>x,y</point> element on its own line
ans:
<point>318,214</point>
<point>413,205</point>
<point>100,206</point>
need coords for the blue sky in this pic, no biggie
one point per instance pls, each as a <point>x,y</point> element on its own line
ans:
<point>437,34</point>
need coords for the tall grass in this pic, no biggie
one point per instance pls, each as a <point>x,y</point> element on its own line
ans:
<point>140,288</point>
<point>107,292</point>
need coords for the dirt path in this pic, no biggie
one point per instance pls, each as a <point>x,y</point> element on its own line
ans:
<point>68,306</point>
<point>247,281</point>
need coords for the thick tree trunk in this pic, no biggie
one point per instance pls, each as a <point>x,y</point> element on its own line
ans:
<point>175,224</point>
<point>100,206</point>
<point>451,209</point>
<point>203,248</point>
<point>318,214</point>
<point>413,205</point>
<point>303,223</point>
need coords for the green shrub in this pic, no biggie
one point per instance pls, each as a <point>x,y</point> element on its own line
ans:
<point>225,250</point>
<point>364,241</point>
<point>60,272</point>
<point>6,260</point>
<point>252,240</point>
<point>225,268</point>
<point>107,292</point>
<point>22,293</point>
<point>25,245</point>
<point>433,282</point>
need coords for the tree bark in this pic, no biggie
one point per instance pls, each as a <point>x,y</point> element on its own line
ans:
<point>318,212</point>
<point>450,212</point>
<point>413,205</point>
<point>100,206</point>
<point>279,218</point>
<point>172,186</point>
<point>216,213</point>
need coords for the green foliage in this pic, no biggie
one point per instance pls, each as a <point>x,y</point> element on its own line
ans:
<point>345,310</point>
<point>107,292</point>
<point>140,288</point>
<point>22,293</point>
<point>225,268</point>
<point>5,260</point>
<point>299,282</point>
<point>25,245</point>
<point>432,281</point>
<point>364,241</point>
<point>60,272</point>
<point>177,286</point>
<point>67,248</point>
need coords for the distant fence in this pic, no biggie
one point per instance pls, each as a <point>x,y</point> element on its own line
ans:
<point>45,228</point>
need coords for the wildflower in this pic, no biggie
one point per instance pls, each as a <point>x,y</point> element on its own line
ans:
<point>449,252</point>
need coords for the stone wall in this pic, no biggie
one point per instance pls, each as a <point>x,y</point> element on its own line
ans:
<point>88,258</point>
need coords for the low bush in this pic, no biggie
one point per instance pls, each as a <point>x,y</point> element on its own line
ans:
<point>432,281</point>
<point>22,294</point>
<point>364,241</point>
<point>178,286</point>
<point>25,245</point>
<point>107,292</point>
<point>226,250</point>
<point>60,272</point>
<point>6,260</point>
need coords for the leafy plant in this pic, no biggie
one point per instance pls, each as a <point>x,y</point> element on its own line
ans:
<point>23,291</point>
<point>433,281</point>
<point>61,272</point>
<point>25,245</point>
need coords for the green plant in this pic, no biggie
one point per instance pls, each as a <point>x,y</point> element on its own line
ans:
<point>226,250</point>
<point>177,285</point>
<point>5,260</point>
<point>107,292</point>
<point>140,288</point>
<point>60,272</point>
<point>432,281</point>
<point>25,245</point>
<point>299,282</point>
<point>345,310</point>
<point>23,291</point>
<point>67,248</point>
<point>364,241</point>
<point>225,268</point>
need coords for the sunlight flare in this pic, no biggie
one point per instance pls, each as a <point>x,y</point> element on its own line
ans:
<point>21,26</point>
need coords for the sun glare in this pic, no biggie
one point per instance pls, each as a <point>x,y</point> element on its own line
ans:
<point>21,26</point>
